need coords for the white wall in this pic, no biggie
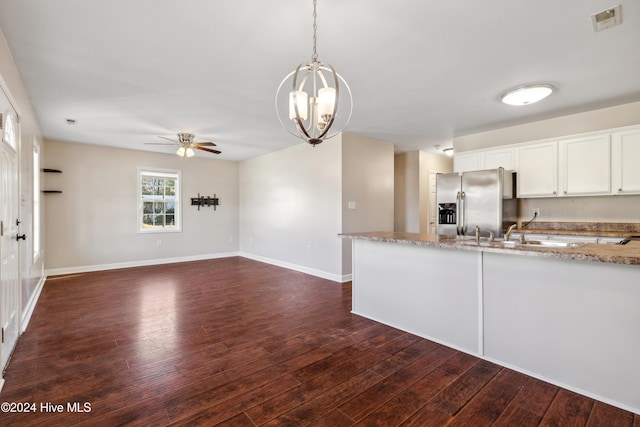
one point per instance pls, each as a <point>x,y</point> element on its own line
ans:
<point>31,269</point>
<point>93,223</point>
<point>290,207</point>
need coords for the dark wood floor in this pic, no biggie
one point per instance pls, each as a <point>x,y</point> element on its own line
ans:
<point>236,342</point>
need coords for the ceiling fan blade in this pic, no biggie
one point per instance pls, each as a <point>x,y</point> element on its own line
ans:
<point>158,143</point>
<point>205,144</point>
<point>169,139</point>
<point>208,149</point>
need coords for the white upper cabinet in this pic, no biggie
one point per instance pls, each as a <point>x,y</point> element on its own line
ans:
<point>465,162</point>
<point>500,158</point>
<point>599,163</point>
<point>585,165</point>
<point>538,170</point>
<point>485,159</point>
<point>626,162</point>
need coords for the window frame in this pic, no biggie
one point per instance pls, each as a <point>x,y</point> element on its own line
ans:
<point>160,173</point>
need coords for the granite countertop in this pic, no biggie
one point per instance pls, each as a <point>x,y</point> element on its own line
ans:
<point>628,254</point>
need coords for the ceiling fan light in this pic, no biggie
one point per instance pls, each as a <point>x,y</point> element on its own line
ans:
<point>526,95</point>
<point>180,151</point>
<point>190,152</point>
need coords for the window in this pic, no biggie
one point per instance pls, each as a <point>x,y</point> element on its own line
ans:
<point>159,197</point>
<point>36,200</point>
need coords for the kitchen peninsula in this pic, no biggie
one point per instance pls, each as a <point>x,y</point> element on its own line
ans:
<point>569,316</point>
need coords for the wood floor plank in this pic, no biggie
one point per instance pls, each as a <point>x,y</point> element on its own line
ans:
<point>366,402</point>
<point>455,396</point>
<point>529,405</point>
<point>603,414</point>
<point>485,407</point>
<point>568,409</point>
<point>404,405</point>
<point>237,342</point>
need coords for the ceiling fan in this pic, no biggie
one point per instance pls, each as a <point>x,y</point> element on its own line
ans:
<point>186,145</point>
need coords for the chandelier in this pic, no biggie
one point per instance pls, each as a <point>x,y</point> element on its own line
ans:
<point>313,102</point>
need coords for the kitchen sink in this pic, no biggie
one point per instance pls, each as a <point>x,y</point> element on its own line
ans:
<point>544,243</point>
<point>513,243</point>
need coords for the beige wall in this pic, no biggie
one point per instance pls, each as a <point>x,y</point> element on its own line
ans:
<point>569,209</point>
<point>93,223</point>
<point>411,199</point>
<point>290,207</point>
<point>606,118</point>
<point>294,202</point>
<point>367,180</point>
<point>32,270</point>
<point>407,192</point>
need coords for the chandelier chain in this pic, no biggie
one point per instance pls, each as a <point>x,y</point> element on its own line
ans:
<point>314,57</point>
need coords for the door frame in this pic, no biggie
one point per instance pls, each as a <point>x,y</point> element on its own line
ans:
<point>18,192</point>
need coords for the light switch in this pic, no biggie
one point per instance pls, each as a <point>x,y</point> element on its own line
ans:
<point>352,204</point>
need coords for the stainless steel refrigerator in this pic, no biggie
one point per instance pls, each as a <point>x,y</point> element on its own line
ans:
<point>485,198</point>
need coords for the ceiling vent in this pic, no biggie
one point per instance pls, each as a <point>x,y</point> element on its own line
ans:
<point>71,121</point>
<point>606,19</point>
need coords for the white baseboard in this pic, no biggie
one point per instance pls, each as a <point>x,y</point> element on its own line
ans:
<point>31,305</point>
<point>100,267</point>
<point>307,270</point>
<point>142,263</point>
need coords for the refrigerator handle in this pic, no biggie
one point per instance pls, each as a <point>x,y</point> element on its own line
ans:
<point>458,228</point>
<point>463,226</point>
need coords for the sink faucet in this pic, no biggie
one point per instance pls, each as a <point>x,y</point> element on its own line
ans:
<point>491,236</point>
<point>507,235</point>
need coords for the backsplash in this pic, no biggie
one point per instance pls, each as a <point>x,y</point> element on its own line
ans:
<point>623,209</point>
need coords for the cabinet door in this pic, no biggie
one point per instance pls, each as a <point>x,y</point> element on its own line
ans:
<point>465,162</point>
<point>626,162</point>
<point>500,158</point>
<point>538,170</point>
<point>585,165</point>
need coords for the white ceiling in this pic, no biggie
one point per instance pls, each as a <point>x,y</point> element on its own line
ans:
<point>421,72</point>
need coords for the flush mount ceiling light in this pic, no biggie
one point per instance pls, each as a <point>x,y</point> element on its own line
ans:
<point>313,102</point>
<point>448,151</point>
<point>526,95</point>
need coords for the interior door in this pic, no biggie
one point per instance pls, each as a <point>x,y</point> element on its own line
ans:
<point>9,255</point>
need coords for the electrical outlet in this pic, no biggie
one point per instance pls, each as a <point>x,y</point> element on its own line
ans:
<point>536,212</point>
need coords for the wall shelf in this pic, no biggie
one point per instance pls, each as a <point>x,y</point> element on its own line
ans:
<point>47,170</point>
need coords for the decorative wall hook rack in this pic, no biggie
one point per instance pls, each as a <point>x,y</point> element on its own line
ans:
<point>205,201</point>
